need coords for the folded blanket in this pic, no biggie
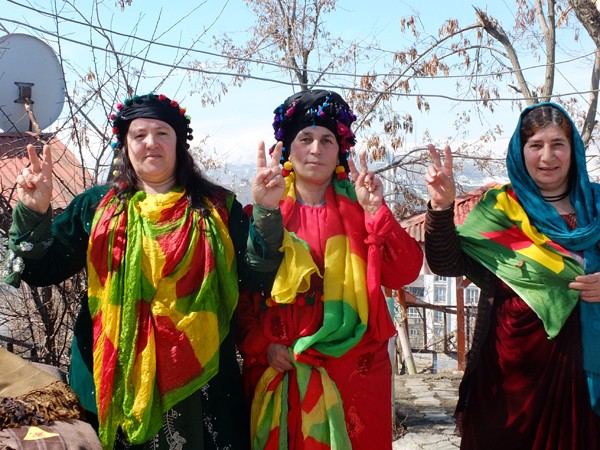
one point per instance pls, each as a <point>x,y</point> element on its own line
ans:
<point>32,396</point>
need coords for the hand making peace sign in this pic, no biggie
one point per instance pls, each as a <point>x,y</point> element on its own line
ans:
<point>268,184</point>
<point>369,188</point>
<point>34,184</point>
<point>440,179</point>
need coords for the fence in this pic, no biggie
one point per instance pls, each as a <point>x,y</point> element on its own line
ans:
<point>434,329</point>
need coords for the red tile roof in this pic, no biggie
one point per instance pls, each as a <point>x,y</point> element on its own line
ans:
<point>415,225</point>
<point>70,178</point>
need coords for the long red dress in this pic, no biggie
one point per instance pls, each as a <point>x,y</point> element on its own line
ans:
<point>529,392</point>
<point>363,374</point>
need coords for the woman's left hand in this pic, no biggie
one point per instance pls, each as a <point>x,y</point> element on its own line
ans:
<point>369,188</point>
<point>589,286</point>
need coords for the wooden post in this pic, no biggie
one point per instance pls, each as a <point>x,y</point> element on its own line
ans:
<point>402,329</point>
<point>461,283</point>
<point>392,350</point>
<point>445,332</point>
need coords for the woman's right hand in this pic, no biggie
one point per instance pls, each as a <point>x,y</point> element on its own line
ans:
<point>34,184</point>
<point>278,356</point>
<point>440,179</point>
<point>268,184</point>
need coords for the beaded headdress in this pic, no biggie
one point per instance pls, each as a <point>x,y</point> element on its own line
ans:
<point>315,108</point>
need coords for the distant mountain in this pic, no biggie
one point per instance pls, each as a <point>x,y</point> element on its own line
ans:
<point>238,176</point>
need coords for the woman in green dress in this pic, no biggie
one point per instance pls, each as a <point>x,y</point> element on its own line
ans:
<point>153,360</point>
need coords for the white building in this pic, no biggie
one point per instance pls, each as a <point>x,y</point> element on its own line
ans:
<point>432,314</point>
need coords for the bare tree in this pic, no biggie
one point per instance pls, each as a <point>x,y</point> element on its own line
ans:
<point>291,36</point>
<point>487,62</point>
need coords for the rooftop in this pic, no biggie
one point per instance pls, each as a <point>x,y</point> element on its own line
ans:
<point>70,178</point>
<point>415,225</point>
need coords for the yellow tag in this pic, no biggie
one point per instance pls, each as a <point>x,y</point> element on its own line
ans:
<point>35,433</point>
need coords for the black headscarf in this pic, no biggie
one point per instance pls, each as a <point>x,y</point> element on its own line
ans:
<point>151,106</point>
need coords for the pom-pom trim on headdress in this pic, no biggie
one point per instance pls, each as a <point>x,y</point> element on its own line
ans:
<point>287,168</point>
<point>118,122</point>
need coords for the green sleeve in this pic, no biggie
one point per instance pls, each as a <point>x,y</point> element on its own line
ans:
<point>51,250</point>
<point>265,239</point>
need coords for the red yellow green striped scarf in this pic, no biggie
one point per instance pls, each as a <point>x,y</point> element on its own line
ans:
<point>499,235</point>
<point>347,288</point>
<point>162,290</point>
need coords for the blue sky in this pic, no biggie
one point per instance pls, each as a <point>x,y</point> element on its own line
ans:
<point>244,115</point>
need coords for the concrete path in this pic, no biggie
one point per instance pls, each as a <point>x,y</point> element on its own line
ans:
<point>424,407</point>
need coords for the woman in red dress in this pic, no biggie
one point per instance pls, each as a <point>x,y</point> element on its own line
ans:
<point>316,365</point>
<point>532,247</point>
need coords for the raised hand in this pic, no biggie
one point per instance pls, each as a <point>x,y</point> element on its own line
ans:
<point>369,188</point>
<point>440,179</point>
<point>268,184</point>
<point>34,184</point>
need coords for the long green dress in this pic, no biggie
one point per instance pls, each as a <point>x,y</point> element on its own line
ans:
<point>214,417</point>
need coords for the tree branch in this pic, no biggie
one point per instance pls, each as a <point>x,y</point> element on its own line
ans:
<point>495,30</point>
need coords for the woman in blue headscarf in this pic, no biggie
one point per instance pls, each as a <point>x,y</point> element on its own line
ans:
<point>532,246</point>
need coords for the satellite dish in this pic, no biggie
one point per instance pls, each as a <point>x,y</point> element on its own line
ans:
<point>31,84</point>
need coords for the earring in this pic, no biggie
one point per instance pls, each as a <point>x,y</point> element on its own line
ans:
<point>287,168</point>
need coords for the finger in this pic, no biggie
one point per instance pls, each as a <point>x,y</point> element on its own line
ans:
<point>21,182</point>
<point>433,174</point>
<point>435,155</point>
<point>26,177</point>
<point>287,366</point>
<point>587,279</point>
<point>432,171</point>
<point>581,285</point>
<point>273,181</point>
<point>276,155</point>
<point>47,159</point>
<point>352,168</point>
<point>429,179</point>
<point>447,157</point>
<point>363,161</point>
<point>261,157</point>
<point>369,180</point>
<point>34,159</point>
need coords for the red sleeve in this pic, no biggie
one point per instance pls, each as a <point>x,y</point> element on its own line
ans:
<point>401,256</point>
<point>251,341</point>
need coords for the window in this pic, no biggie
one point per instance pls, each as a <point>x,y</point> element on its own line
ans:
<point>412,313</point>
<point>471,296</point>
<point>438,316</point>
<point>440,279</point>
<point>414,331</point>
<point>439,294</point>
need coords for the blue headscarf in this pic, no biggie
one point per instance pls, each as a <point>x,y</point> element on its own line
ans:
<point>585,199</point>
